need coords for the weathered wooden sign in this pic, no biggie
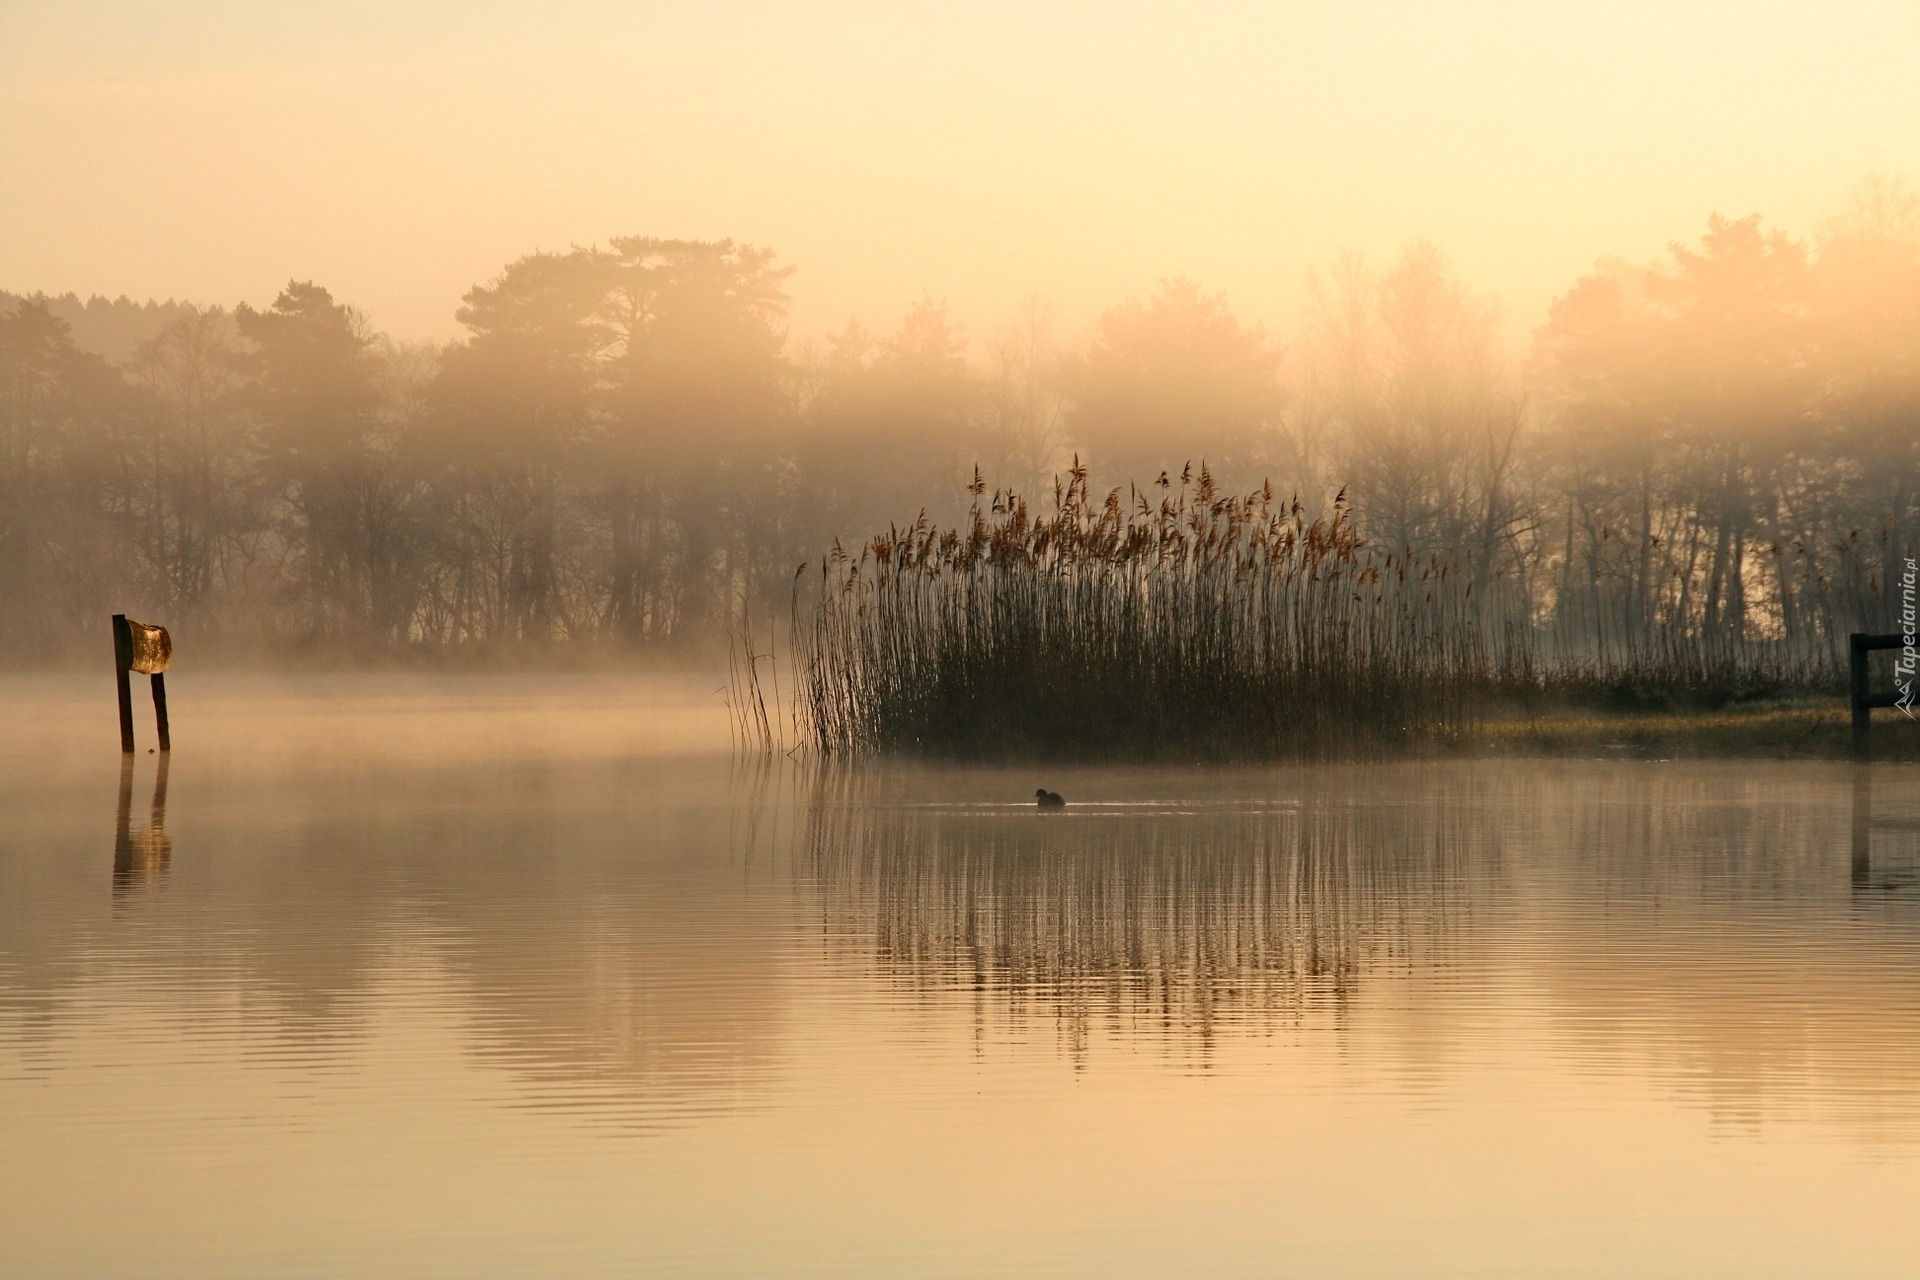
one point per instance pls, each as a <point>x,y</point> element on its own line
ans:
<point>147,649</point>
<point>152,648</point>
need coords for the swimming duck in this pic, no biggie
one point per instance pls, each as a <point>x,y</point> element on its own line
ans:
<point>1049,799</point>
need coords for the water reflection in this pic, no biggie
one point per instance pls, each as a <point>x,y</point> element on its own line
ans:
<point>583,931</point>
<point>617,965</point>
<point>536,1015</point>
<point>1892,865</point>
<point>643,944</point>
<point>140,861</point>
<point>1169,921</point>
<point>1700,925</point>
<point>1704,926</point>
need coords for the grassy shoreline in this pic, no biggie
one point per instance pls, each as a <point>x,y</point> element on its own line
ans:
<point>1810,729</point>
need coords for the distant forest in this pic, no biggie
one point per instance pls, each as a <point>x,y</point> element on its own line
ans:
<point>625,451</point>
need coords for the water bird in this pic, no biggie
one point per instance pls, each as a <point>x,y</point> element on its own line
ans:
<point>1049,799</point>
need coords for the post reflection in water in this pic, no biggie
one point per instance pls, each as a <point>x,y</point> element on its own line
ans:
<point>140,861</point>
<point>1892,868</point>
<point>1157,920</point>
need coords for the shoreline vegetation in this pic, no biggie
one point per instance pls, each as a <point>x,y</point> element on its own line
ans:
<point>1800,729</point>
<point>1180,623</point>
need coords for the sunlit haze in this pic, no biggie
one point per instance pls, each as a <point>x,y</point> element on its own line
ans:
<point>400,152</point>
<point>921,639</point>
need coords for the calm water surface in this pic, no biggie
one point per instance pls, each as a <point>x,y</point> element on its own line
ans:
<point>512,977</point>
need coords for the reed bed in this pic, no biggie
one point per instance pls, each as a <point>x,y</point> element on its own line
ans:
<point>1178,622</point>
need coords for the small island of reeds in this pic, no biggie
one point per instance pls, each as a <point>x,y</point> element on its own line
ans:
<point>1178,622</point>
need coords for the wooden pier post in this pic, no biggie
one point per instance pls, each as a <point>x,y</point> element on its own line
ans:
<point>123,665</point>
<point>1860,693</point>
<point>147,649</point>
<point>160,711</point>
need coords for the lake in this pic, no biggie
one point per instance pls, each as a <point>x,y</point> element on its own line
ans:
<point>476,976</point>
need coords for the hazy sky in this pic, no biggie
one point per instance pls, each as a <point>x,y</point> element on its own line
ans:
<point>400,152</point>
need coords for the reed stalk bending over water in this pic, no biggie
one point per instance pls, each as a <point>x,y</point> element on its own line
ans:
<point>1178,622</point>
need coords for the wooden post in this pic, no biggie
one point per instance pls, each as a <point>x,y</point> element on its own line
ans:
<point>122,662</point>
<point>160,710</point>
<point>1859,691</point>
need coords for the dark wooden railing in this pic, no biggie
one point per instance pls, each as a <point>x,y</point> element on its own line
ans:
<point>1860,693</point>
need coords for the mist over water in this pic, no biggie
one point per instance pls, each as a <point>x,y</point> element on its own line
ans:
<point>469,976</point>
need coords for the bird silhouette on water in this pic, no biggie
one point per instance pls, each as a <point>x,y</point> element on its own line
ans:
<point>1049,799</point>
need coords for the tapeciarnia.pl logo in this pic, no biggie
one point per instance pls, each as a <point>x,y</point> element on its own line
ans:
<point>1903,666</point>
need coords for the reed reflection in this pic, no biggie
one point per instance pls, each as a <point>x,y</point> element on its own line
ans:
<point>1171,921</point>
<point>140,861</point>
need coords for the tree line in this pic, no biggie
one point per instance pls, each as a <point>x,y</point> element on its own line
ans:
<point>624,450</point>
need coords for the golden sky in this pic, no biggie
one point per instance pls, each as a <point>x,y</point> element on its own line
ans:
<point>400,152</point>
